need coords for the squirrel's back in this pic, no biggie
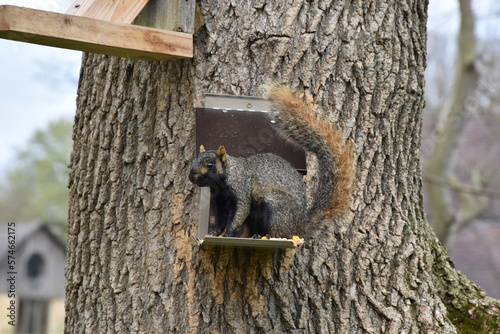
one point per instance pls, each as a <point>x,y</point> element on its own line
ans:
<point>272,189</point>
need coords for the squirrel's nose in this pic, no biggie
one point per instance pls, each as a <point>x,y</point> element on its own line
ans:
<point>192,176</point>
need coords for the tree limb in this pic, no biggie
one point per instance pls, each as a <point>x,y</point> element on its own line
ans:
<point>464,188</point>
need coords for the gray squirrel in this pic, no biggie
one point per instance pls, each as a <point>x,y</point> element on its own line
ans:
<point>263,194</point>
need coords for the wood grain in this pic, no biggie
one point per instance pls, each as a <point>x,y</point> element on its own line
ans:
<point>117,11</point>
<point>91,35</point>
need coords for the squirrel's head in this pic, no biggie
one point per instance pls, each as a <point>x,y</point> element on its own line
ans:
<point>208,169</point>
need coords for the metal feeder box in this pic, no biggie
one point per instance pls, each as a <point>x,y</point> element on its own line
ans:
<point>241,125</point>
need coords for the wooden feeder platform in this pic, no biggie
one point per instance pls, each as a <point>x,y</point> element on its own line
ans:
<point>105,27</point>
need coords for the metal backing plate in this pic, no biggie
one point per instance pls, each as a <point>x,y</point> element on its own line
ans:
<point>233,102</point>
<point>244,133</point>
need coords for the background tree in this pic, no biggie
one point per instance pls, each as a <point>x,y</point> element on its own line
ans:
<point>461,195</point>
<point>458,156</point>
<point>35,185</point>
<point>132,266</point>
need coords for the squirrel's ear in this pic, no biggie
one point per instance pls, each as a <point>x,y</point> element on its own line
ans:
<point>221,153</point>
<point>202,148</point>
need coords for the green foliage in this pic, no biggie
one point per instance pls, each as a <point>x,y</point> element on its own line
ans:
<point>35,186</point>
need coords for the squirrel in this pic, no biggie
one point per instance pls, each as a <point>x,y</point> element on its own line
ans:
<point>263,194</point>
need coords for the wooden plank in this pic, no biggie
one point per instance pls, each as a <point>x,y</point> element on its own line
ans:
<point>175,15</point>
<point>90,35</point>
<point>116,11</point>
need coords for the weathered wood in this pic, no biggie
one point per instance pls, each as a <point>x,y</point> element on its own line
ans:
<point>91,35</point>
<point>117,11</point>
<point>176,15</point>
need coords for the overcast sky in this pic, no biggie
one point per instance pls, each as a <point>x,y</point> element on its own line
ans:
<point>38,84</point>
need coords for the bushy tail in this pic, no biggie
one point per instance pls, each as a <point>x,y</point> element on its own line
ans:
<point>298,121</point>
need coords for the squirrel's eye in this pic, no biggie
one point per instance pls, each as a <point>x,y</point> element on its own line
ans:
<point>210,165</point>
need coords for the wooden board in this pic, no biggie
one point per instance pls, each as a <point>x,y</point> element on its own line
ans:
<point>117,11</point>
<point>246,242</point>
<point>175,15</point>
<point>91,35</point>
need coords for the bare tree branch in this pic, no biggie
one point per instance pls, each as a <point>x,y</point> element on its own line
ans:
<point>460,187</point>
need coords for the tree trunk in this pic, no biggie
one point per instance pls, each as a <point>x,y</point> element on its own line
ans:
<point>445,217</point>
<point>132,266</point>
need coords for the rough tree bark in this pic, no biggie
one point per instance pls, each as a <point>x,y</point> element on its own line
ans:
<point>132,267</point>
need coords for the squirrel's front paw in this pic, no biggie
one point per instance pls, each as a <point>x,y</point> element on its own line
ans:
<point>217,233</point>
